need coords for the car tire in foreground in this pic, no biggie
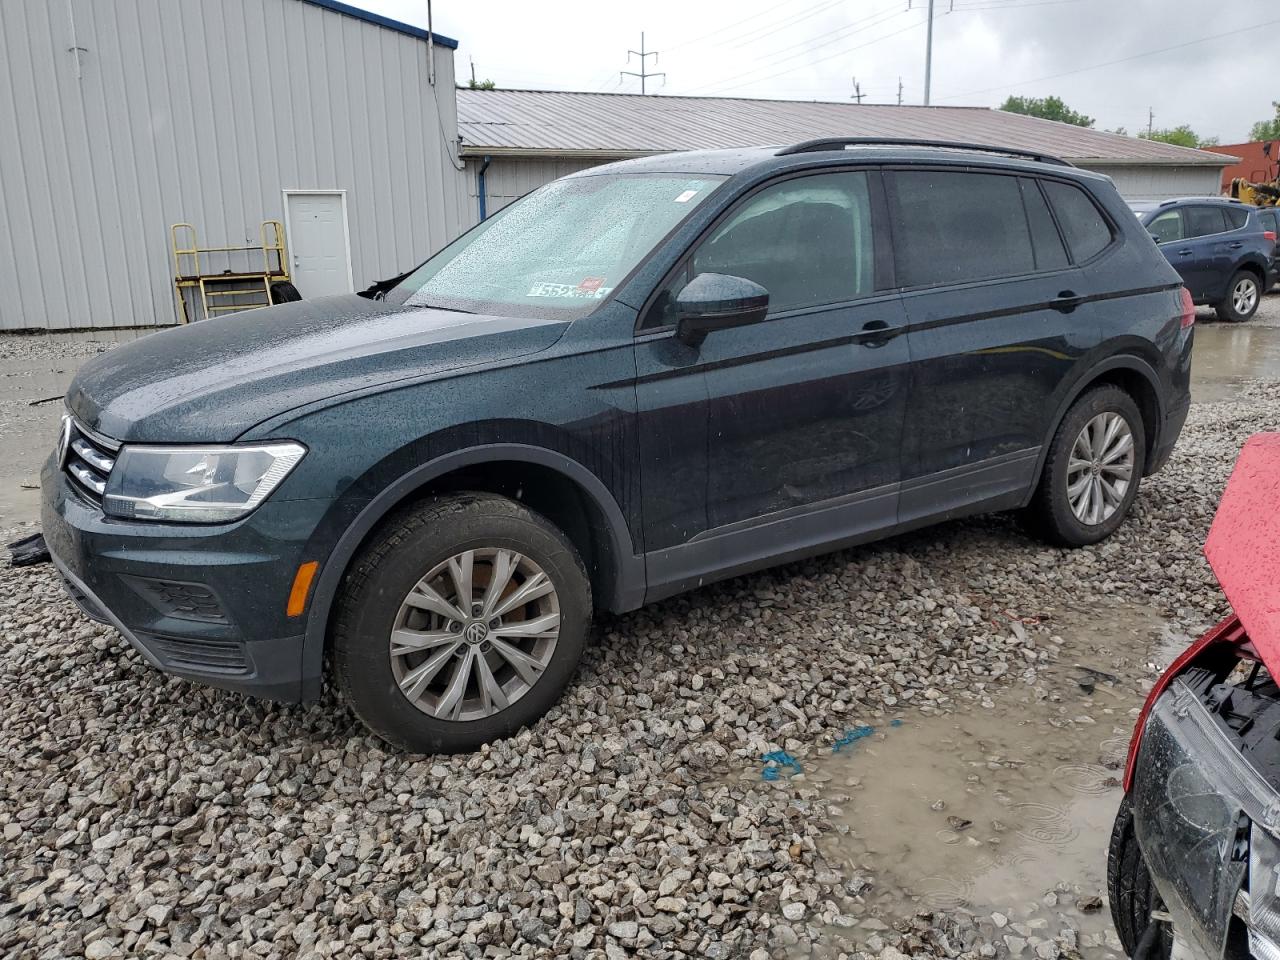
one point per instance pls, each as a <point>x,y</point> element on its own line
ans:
<point>1132,894</point>
<point>1244,293</point>
<point>1091,474</point>
<point>461,621</point>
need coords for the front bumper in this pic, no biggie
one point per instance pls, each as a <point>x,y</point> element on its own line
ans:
<point>1197,800</point>
<point>203,602</point>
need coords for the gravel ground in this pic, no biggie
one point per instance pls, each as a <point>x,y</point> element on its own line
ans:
<point>142,815</point>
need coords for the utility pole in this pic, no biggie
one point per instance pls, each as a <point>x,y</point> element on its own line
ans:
<point>857,92</point>
<point>643,75</point>
<point>1151,119</point>
<point>899,91</point>
<point>928,56</point>
<point>473,73</point>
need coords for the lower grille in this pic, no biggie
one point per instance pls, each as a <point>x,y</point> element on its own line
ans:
<point>199,656</point>
<point>176,598</point>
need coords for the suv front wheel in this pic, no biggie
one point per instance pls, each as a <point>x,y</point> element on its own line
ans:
<point>1243,296</point>
<point>1091,474</point>
<point>462,621</point>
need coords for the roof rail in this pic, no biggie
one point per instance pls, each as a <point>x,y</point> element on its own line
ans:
<point>840,143</point>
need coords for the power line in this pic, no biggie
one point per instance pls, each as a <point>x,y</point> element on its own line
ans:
<point>643,74</point>
<point>755,16</point>
<point>1111,63</point>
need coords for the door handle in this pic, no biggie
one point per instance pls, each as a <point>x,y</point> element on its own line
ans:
<point>876,326</point>
<point>1184,253</point>
<point>1066,301</point>
<point>1236,245</point>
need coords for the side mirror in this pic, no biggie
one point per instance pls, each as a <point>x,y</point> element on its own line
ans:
<point>715,301</point>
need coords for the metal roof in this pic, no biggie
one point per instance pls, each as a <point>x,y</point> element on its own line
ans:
<point>369,17</point>
<point>614,125</point>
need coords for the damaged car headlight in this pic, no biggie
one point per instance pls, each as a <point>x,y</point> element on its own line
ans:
<point>1264,894</point>
<point>196,484</point>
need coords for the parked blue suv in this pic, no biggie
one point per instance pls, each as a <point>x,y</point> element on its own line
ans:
<point>639,379</point>
<point>1220,247</point>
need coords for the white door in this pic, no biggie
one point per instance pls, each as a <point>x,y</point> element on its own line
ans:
<point>319,246</point>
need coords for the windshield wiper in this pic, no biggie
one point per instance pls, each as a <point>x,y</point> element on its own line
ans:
<point>436,306</point>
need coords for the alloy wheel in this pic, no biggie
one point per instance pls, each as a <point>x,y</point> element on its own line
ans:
<point>474,635</point>
<point>1100,468</point>
<point>1244,296</point>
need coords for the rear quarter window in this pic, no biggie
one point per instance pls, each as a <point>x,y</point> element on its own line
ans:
<point>1236,217</point>
<point>1085,228</point>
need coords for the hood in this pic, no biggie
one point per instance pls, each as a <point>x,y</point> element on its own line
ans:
<point>211,381</point>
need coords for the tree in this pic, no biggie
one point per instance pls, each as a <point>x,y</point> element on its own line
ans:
<point>1182,136</point>
<point>474,84</point>
<point>1267,129</point>
<point>1048,108</point>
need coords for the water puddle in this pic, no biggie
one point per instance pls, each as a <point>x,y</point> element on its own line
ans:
<point>1227,355</point>
<point>1004,812</point>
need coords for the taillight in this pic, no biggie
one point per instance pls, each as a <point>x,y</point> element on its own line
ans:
<point>1188,309</point>
<point>1269,235</point>
<point>1229,630</point>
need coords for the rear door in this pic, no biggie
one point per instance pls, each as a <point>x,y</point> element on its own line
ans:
<point>993,308</point>
<point>1201,256</point>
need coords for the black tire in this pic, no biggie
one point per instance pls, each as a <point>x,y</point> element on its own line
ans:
<point>282,291</point>
<point>1050,514</point>
<point>398,555</point>
<point>1226,309</point>
<point>1132,894</point>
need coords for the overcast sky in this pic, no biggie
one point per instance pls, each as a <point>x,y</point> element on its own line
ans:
<point>1207,63</point>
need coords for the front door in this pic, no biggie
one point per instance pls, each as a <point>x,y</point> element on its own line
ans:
<point>792,426</point>
<point>319,249</point>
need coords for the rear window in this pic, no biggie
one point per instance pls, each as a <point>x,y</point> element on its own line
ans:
<point>949,227</point>
<point>1085,228</point>
<point>1202,221</point>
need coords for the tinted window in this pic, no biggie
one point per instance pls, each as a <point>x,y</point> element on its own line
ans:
<point>1082,223</point>
<point>1166,227</point>
<point>1267,218</point>
<point>950,227</point>
<point>1236,217</point>
<point>1202,221</point>
<point>1045,239</point>
<point>807,241</point>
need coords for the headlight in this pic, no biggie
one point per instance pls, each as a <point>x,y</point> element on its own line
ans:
<point>196,484</point>
<point>1264,885</point>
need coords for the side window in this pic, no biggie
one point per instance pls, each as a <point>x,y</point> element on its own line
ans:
<point>949,227</point>
<point>806,240</point>
<point>1167,227</point>
<point>1083,224</point>
<point>1045,239</point>
<point>1237,217</point>
<point>1203,221</point>
<point>1267,219</point>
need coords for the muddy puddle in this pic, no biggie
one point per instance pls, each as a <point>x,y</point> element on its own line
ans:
<point>1227,355</point>
<point>1002,811</point>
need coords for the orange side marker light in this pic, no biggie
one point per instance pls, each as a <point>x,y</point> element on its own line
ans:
<point>301,588</point>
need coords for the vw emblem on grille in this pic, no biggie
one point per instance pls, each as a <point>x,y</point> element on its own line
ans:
<point>475,632</point>
<point>64,440</point>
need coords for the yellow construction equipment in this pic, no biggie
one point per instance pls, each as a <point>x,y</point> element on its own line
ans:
<point>1259,194</point>
<point>239,285</point>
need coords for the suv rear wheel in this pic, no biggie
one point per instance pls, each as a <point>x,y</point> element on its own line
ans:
<point>1243,295</point>
<point>1091,474</point>
<point>462,621</point>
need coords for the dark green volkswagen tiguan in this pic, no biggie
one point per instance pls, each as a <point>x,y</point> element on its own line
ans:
<point>636,380</point>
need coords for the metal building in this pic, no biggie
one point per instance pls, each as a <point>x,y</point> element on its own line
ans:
<point>532,136</point>
<point>120,118</point>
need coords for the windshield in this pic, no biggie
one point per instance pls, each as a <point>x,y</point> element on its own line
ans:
<point>559,251</point>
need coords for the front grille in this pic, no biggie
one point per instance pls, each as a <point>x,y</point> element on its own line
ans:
<point>199,656</point>
<point>87,458</point>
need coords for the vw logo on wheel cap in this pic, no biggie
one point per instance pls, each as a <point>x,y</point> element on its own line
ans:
<point>476,632</point>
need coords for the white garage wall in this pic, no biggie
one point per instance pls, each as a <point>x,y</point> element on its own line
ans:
<point>203,111</point>
<point>1138,182</point>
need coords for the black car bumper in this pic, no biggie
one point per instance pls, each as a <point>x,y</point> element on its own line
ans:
<point>1170,429</point>
<point>203,602</point>
<point>1202,812</point>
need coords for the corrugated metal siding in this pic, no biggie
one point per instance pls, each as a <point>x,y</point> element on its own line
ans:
<point>533,120</point>
<point>1142,182</point>
<point>186,110</point>
<point>510,179</point>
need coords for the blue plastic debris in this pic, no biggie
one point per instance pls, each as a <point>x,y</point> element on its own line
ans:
<point>775,761</point>
<point>852,736</point>
<point>895,723</point>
